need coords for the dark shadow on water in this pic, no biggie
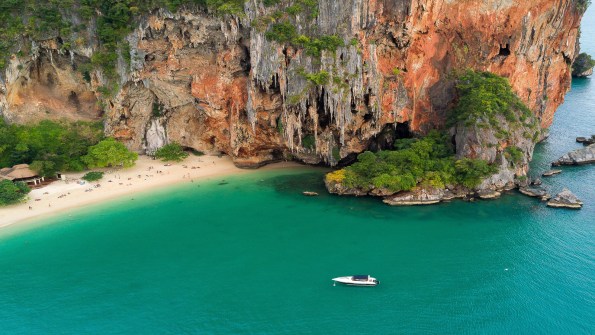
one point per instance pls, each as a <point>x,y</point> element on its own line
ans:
<point>297,183</point>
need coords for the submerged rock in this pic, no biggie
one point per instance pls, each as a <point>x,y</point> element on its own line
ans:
<point>565,199</point>
<point>535,191</point>
<point>310,193</point>
<point>419,196</point>
<point>550,173</point>
<point>577,157</point>
<point>536,182</point>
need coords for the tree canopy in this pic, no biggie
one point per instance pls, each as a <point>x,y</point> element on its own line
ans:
<point>109,153</point>
<point>171,152</point>
<point>11,193</point>
<point>429,162</point>
<point>582,63</point>
<point>48,146</point>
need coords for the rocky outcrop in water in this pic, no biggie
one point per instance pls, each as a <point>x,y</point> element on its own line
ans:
<point>582,66</point>
<point>535,191</point>
<point>420,196</point>
<point>565,199</point>
<point>577,157</point>
<point>586,140</point>
<point>550,173</point>
<point>217,84</point>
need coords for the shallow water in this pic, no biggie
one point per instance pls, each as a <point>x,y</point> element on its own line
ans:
<point>254,256</point>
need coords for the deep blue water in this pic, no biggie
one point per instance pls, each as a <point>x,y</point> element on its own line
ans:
<point>254,256</point>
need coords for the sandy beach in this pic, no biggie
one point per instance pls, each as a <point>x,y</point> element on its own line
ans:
<point>147,174</point>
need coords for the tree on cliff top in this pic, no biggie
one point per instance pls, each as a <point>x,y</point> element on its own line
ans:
<point>582,5</point>
<point>109,153</point>
<point>483,96</point>
<point>582,64</point>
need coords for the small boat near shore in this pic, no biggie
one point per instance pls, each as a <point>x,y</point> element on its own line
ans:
<point>357,280</point>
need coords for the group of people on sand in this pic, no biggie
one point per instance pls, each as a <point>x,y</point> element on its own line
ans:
<point>115,176</point>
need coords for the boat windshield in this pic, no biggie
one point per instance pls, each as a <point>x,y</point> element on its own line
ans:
<point>361,277</point>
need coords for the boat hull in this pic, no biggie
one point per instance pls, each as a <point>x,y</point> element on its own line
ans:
<point>350,281</point>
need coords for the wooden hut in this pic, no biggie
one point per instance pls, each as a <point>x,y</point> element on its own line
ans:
<point>21,172</point>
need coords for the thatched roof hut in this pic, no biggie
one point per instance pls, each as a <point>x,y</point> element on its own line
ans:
<point>20,172</point>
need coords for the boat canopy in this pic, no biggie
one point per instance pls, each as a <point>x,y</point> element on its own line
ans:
<point>361,277</point>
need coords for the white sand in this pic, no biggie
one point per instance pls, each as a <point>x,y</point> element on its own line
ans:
<point>61,196</point>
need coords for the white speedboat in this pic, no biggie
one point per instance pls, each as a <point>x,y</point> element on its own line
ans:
<point>359,280</point>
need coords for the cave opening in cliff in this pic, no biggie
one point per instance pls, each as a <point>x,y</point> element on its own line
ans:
<point>324,119</point>
<point>245,62</point>
<point>385,140</point>
<point>275,87</point>
<point>504,50</point>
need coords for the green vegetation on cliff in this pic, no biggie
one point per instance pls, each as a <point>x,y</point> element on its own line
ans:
<point>483,96</point>
<point>582,5</point>
<point>487,101</point>
<point>48,146</point>
<point>582,63</point>
<point>429,162</point>
<point>70,20</point>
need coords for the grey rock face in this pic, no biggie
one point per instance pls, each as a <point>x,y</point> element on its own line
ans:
<point>584,74</point>
<point>577,157</point>
<point>565,199</point>
<point>488,194</point>
<point>416,197</point>
<point>535,191</point>
<point>550,173</point>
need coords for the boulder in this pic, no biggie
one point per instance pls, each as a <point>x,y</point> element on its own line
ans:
<point>584,74</point>
<point>449,195</point>
<point>565,199</point>
<point>586,140</point>
<point>340,189</point>
<point>535,191</point>
<point>488,194</point>
<point>420,196</point>
<point>310,193</point>
<point>550,173</point>
<point>577,157</point>
<point>381,192</point>
<point>536,182</point>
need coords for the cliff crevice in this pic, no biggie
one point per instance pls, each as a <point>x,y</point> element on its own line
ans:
<point>351,71</point>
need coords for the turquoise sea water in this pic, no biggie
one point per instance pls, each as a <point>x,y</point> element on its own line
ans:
<point>254,256</point>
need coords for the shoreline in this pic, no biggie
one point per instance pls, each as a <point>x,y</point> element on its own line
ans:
<point>148,174</point>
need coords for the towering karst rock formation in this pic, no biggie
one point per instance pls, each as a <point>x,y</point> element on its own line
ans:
<point>228,83</point>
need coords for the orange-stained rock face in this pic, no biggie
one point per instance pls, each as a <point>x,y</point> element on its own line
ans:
<point>47,88</point>
<point>217,85</point>
<point>530,42</point>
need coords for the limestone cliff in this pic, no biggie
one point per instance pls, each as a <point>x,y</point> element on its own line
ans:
<point>218,84</point>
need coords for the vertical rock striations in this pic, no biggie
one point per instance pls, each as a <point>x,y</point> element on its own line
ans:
<point>223,84</point>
